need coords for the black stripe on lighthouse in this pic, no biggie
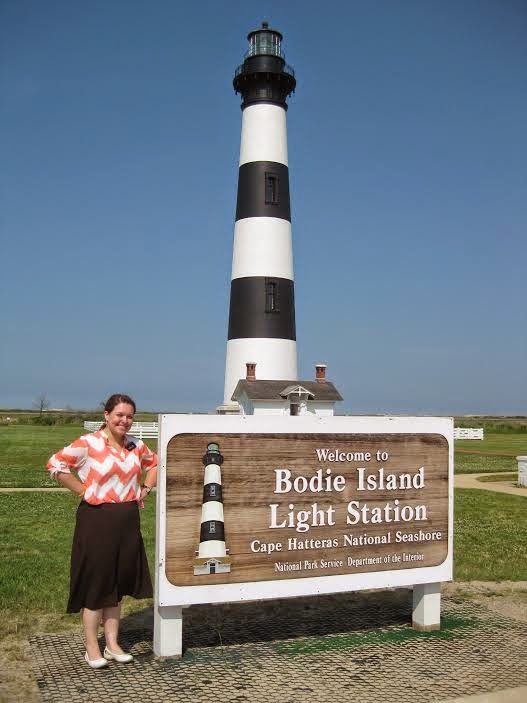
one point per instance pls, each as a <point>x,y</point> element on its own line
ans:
<point>263,190</point>
<point>262,306</point>
<point>212,529</point>
<point>212,491</point>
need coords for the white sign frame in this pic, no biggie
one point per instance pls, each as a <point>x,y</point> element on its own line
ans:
<point>167,595</point>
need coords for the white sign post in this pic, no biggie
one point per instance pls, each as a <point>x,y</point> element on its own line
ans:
<point>259,507</point>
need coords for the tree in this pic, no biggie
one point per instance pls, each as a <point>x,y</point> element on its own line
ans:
<point>41,403</point>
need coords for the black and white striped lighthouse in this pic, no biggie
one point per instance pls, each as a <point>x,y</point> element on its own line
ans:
<point>212,554</point>
<point>262,308</point>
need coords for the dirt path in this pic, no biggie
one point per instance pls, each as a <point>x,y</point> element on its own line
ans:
<point>28,490</point>
<point>471,481</point>
<point>482,452</point>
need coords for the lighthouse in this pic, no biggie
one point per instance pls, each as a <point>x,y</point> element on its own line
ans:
<point>212,555</point>
<point>262,306</point>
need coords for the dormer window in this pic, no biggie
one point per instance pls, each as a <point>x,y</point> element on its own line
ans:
<point>298,398</point>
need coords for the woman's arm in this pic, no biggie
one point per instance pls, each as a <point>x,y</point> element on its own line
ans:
<point>72,482</point>
<point>149,482</point>
<point>67,460</point>
<point>149,466</point>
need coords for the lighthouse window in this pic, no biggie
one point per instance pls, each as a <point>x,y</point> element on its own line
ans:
<point>213,490</point>
<point>271,296</point>
<point>271,189</point>
<point>212,528</point>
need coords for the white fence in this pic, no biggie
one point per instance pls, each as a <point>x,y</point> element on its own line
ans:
<point>150,429</point>
<point>141,430</point>
<point>468,433</point>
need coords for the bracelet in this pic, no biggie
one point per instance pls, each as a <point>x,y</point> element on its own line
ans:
<point>146,488</point>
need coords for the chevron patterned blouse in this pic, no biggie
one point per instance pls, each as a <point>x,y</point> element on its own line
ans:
<point>110,475</point>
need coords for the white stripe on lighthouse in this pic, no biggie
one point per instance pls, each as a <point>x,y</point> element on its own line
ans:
<point>262,247</point>
<point>276,360</point>
<point>212,510</point>
<point>211,548</point>
<point>264,134</point>
<point>212,475</point>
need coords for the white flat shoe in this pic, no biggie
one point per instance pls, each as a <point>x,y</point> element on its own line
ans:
<point>99,663</point>
<point>121,658</point>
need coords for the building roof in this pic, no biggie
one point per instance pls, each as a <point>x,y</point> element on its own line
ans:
<point>274,390</point>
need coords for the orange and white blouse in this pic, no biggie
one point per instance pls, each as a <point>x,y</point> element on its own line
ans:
<point>110,475</point>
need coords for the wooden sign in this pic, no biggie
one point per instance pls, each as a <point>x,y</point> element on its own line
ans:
<point>255,505</point>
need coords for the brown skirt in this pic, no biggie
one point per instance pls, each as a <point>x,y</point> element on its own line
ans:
<point>108,559</point>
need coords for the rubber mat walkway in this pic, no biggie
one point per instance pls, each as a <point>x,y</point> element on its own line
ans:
<point>352,647</point>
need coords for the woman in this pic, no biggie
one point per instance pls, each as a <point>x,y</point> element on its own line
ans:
<point>108,559</point>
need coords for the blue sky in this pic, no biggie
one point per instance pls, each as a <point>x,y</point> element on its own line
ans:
<point>119,147</point>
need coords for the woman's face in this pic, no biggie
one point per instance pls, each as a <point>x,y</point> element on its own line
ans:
<point>120,419</point>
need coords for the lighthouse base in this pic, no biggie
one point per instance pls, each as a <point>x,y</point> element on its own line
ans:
<point>211,565</point>
<point>274,358</point>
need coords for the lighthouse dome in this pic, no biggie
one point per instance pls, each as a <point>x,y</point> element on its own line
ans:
<point>264,41</point>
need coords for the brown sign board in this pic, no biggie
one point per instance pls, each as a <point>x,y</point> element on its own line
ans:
<point>299,505</point>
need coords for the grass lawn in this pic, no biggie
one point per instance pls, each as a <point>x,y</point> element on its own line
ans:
<point>496,453</point>
<point>489,536</point>
<point>37,530</point>
<point>508,443</point>
<point>478,463</point>
<point>25,449</point>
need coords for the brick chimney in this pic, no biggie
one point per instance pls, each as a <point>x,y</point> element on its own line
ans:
<point>251,371</point>
<point>321,372</point>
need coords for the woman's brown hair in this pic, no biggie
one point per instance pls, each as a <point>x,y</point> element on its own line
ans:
<point>113,401</point>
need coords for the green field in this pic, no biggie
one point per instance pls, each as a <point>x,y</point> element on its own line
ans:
<point>489,530</point>
<point>496,453</point>
<point>507,443</point>
<point>465,463</point>
<point>25,449</point>
<point>37,529</point>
